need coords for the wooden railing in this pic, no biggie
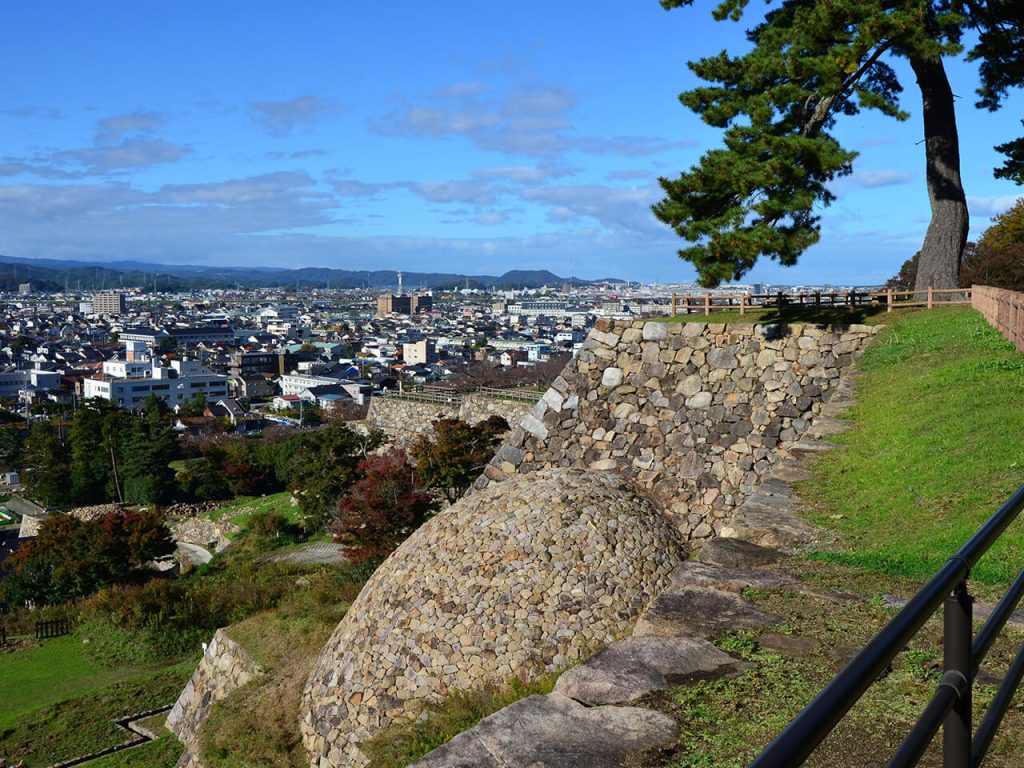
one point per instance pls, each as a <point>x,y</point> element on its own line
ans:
<point>1004,311</point>
<point>743,302</point>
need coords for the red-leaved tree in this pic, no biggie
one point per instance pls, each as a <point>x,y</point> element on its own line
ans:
<point>380,510</point>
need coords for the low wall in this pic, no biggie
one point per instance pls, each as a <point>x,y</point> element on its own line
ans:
<point>1004,311</point>
<point>408,418</point>
<point>225,667</point>
<point>477,407</point>
<point>695,414</point>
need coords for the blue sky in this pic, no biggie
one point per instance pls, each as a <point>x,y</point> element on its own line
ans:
<point>459,136</point>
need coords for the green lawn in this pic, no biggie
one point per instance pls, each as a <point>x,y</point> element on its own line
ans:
<point>241,507</point>
<point>935,449</point>
<point>58,704</point>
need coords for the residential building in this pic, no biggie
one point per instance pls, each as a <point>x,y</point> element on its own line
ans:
<point>404,305</point>
<point>129,383</point>
<point>420,352</point>
<point>109,303</point>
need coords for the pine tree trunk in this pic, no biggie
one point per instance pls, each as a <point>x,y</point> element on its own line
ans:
<point>939,265</point>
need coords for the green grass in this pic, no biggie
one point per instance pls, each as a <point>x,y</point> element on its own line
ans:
<point>162,753</point>
<point>406,742</point>
<point>58,704</point>
<point>934,451</point>
<point>725,723</point>
<point>240,508</point>
<point>55,671</point>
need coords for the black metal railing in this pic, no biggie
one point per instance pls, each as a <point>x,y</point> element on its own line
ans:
<point>950,706</point>
<point>52,628</point>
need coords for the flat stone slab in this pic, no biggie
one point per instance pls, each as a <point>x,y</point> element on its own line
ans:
<point>554,731</point>
<point>790,471</point>
<point>768,521</point>
<point>699,612</point>
<point>736,553</point>
<point>637,666</point>
<point>694,574</point>
<point>320,553</point>
<point>788,645</point>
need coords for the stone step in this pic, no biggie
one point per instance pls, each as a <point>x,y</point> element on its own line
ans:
<point>641,665</point>
<point>769,522</point>
<point>703,613</point>
<point>554,731</point>
<point>736,553</point>
<point>694,574</point>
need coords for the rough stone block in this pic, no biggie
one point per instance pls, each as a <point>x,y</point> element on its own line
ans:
<point>638,666</point>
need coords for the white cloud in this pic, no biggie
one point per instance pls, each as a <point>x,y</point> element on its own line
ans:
<point>880,178</point>
<point>280,118</point>
<point>991,206</point>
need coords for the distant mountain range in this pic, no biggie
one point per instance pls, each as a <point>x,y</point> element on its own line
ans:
<point>55,275</point>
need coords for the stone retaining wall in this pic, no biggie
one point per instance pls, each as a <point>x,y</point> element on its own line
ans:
<point>407,420</point>
<point>477,407</point>
<point>225,667</point>
<point>695,414</point>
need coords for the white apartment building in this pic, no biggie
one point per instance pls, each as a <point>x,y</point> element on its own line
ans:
<point>129,382</point>
<point>12,382</point>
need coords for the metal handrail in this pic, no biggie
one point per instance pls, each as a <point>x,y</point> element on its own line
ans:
<point>951,703</point>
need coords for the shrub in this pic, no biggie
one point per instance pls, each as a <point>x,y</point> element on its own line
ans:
<point>380,511</point>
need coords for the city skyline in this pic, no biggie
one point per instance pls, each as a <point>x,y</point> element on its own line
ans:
<point>466,139</point>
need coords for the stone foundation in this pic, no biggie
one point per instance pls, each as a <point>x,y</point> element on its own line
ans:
<point>695,414</point>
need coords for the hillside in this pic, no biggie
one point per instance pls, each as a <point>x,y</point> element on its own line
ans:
<point>55,275</point>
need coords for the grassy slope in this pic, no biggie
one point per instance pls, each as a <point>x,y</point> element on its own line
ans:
<point>62,705</point>
<point>935,450</point>
<point>55,671</point>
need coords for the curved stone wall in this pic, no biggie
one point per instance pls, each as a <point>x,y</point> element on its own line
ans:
<point>695,414</point>
<point>519,578</point>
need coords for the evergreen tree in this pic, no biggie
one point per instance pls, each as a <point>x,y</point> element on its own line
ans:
<point>149,450</point>
<point>91,467</point>
<point>811,62</point>
<point>457,454</point>
<point>47,459</point>
<point>324,466</point>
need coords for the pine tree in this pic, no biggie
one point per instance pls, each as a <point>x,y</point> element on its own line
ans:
<point>811,63</point>
<point>149,450</point>
<point>47,458</point>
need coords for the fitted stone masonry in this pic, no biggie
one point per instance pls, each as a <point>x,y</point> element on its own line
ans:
<point>695,414</point>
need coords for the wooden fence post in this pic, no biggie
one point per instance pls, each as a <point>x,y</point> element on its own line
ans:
<point>888,300</point>
<point>743,297</point>
<point>673,305</point>
<point>930,297</point>
<point>707,304</point>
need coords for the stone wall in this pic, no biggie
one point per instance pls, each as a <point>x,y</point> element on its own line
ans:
<point>407,419</point>
<point>225,666</point>
<point>478,407</point>
<point>513,580</point>
<point>695,414</point>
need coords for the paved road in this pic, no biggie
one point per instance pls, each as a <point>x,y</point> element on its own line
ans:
<point>199,555</point>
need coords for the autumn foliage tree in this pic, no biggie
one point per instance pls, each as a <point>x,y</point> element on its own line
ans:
<point>998,259</point>
<point>71,558</point>
<point>457,454</point>
<point>381,509</point>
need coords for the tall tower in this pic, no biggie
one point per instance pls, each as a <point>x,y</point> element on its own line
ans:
<point>399,283</point>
